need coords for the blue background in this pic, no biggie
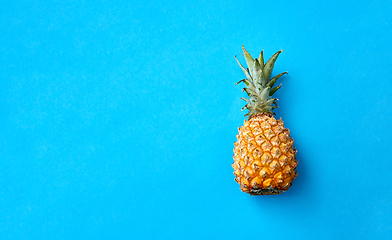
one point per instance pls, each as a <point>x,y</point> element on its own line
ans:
<point>118,119</point>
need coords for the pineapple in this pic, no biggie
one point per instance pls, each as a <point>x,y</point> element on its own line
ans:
<point>264,155</point>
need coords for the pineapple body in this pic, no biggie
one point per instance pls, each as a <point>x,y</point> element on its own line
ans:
<point>264,156</point>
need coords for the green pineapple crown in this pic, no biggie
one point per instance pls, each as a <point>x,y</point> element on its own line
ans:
<point>259,86</point>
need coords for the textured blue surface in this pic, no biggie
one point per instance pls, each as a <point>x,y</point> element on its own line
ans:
<point>118,119</point>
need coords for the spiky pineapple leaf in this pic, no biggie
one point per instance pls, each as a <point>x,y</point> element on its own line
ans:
<point>250,92</point>
<point>258,74</point>
<point>267,106</point>
<point>245,81</point>
<point>273,90</point>
<point>249,60</point>
<point>246,100</point>
<point>269,65</point>
<point>243,69</point>
<point>274,79</point>
<point>261,60</point>
<point>271,101</point>
<point>263,96</point>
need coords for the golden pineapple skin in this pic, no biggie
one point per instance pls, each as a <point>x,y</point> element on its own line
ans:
<point>264,156</point>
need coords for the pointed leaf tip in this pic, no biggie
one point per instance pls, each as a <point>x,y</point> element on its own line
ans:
<point>261,60</point>
<point>249,60</point>
<point>243,80</point>
<point>269,65</point>
<point>243,69</point>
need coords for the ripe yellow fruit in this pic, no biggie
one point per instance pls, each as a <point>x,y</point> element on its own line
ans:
<point>264,153</point>
<point>264,157</point>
